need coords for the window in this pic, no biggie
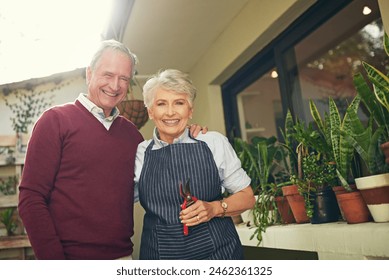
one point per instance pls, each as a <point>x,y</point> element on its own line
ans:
<point>314,59</point>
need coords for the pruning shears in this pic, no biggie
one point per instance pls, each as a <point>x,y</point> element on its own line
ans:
<point>189,199</point>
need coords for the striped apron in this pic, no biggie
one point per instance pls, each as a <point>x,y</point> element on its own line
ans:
<point>162,236</point>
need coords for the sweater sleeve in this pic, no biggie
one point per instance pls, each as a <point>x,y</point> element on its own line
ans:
<point>39,172</point>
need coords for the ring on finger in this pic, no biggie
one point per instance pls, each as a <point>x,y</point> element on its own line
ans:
<point>198,218</point>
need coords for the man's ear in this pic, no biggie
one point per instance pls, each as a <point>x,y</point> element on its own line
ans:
<point>88,74</point>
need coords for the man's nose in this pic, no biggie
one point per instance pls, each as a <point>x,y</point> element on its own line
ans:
<point>115,84</point>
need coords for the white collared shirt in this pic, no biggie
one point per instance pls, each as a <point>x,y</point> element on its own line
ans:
<point>97,111</point>
<point>231,173</point>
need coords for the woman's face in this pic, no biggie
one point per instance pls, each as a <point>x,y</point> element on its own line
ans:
<point>170,112</point>
<point>108,83</point>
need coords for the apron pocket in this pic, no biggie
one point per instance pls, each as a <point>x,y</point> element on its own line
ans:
<point>173,245</point>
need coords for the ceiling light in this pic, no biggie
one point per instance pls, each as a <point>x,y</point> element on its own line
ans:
<point>366,10</point>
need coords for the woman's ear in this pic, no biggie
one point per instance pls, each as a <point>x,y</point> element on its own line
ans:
<point>150,112</point>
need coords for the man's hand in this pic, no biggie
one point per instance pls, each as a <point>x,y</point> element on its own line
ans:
<point>195,130</point>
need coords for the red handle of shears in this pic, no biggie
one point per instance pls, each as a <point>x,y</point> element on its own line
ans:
<point>183,206</point>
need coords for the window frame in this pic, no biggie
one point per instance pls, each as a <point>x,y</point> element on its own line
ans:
<point>275,55</point>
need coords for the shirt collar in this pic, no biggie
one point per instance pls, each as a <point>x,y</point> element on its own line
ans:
<point>95,110</point>
<point>183,138</point>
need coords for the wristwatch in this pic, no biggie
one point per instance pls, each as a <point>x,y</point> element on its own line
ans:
<point>224,206</point>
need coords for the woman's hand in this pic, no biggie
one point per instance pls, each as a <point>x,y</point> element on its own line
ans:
<point>200,212</point>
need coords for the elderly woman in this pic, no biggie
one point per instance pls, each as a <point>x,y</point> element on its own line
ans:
<point>180,180</point>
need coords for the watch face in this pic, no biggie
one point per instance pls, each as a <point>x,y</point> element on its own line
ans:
<point>224,205</point>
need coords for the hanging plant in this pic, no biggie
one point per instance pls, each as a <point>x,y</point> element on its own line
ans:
<point>134,109</point>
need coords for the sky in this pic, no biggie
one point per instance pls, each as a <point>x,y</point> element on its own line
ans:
<point>39,38</point>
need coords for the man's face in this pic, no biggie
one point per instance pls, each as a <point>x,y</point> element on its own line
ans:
<point>108,83</point>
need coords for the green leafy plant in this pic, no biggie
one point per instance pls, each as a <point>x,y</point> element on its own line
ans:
<point>316,167</point>
<point>263,161</point>
<point>27,107</point>
<point>7,218</point>
<point>368,139</point>
<point>367,142</point>
<point>290,144</point>
<point>8,186</point>
<point>317,175</point>
<point>331,130</point>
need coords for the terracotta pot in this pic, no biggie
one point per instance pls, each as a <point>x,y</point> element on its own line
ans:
<point>339,190</point>
<point>296,202</point>
<point>284,210</point>
<point>353,207</point>
<point>375,192</point>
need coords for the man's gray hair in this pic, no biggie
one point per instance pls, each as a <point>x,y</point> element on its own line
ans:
<point>117,46</point>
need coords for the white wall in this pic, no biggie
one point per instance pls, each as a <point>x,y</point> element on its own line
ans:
<point>257,25</point>
<point>71,87</point>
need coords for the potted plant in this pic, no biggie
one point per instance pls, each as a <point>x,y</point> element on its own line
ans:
<point>262,161</point>
<point>316,172</point>
<point>134,109</point>
<point>352,206</point>
<point>290,188</point>
<point>367,140</point>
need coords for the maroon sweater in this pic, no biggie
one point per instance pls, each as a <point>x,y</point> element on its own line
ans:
<point>77,190</point>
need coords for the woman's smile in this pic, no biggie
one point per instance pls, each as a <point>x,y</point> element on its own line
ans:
<point>171,122</point>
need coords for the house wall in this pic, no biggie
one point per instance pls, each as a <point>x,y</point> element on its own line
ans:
<point>256,26</point>
<point>68,90</point>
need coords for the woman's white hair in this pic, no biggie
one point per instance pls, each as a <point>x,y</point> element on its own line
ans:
<point>170,80</point>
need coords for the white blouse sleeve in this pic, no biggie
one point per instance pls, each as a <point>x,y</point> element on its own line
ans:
<point>233,177</point>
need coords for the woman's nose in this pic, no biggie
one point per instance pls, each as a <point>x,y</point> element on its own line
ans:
<point>170,110</point>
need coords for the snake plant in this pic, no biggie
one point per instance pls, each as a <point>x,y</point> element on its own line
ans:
<point>341,150</point>
<point>367,140</point>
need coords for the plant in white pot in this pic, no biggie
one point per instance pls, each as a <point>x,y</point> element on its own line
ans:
<point>367,140</point>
